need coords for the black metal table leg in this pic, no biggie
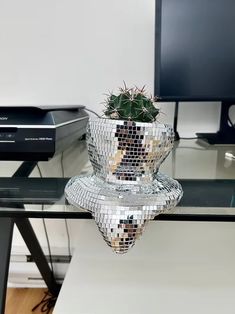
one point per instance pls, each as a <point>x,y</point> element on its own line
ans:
<point>6,231</point>
<point>35,249</point>
<point>30,239</point>
<point>25,169</point>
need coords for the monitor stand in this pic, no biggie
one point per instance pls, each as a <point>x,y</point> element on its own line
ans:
<point>226,133</point>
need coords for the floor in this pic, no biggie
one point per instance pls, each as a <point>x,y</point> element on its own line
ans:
<point>22,300</point>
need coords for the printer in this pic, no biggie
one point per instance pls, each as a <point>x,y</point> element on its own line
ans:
<point>37,133</point>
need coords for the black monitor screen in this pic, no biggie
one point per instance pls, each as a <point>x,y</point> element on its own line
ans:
<point>195,49</point>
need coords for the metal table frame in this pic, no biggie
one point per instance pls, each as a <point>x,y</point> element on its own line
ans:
<point>30,239</point>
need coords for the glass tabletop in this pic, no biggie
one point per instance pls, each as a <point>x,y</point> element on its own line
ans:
<point>206,173</point>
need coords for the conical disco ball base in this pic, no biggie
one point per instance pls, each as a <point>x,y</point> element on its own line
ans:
<point>122,211</point>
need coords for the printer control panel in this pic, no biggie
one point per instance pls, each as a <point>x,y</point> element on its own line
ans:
<point>7,134</point>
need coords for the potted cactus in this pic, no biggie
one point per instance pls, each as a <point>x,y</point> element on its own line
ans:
<point>126,149</point>
<point>132,104</point>
<point>133,144</point>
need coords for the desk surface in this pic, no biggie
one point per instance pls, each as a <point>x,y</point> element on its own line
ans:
<point>174,268</point>
<point>206,175</point>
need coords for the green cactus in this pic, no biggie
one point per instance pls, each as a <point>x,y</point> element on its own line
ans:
<point>131,104</point>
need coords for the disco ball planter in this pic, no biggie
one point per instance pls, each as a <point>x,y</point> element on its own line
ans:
<point>126,190</point>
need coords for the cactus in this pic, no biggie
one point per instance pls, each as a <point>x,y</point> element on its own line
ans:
<point>131,104</point>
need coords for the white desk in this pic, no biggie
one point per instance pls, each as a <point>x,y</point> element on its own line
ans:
<point>175,268</point>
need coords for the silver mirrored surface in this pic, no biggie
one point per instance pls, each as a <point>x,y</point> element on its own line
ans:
<point>126,190</point>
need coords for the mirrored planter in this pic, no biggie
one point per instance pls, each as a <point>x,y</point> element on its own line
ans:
<point>126,189</point>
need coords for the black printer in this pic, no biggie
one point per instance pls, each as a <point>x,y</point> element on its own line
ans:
<point>37,133</point>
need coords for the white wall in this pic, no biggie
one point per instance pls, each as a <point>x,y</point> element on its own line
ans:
<point>69,52</point>
<point>73,51</point>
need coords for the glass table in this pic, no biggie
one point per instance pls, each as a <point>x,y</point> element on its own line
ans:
<point>206,173</point>
<point>31,189</point>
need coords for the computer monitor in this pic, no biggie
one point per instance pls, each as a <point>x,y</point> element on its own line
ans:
<point>195,55</point>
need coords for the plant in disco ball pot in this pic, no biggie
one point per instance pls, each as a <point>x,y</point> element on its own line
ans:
<point>126,149</point>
